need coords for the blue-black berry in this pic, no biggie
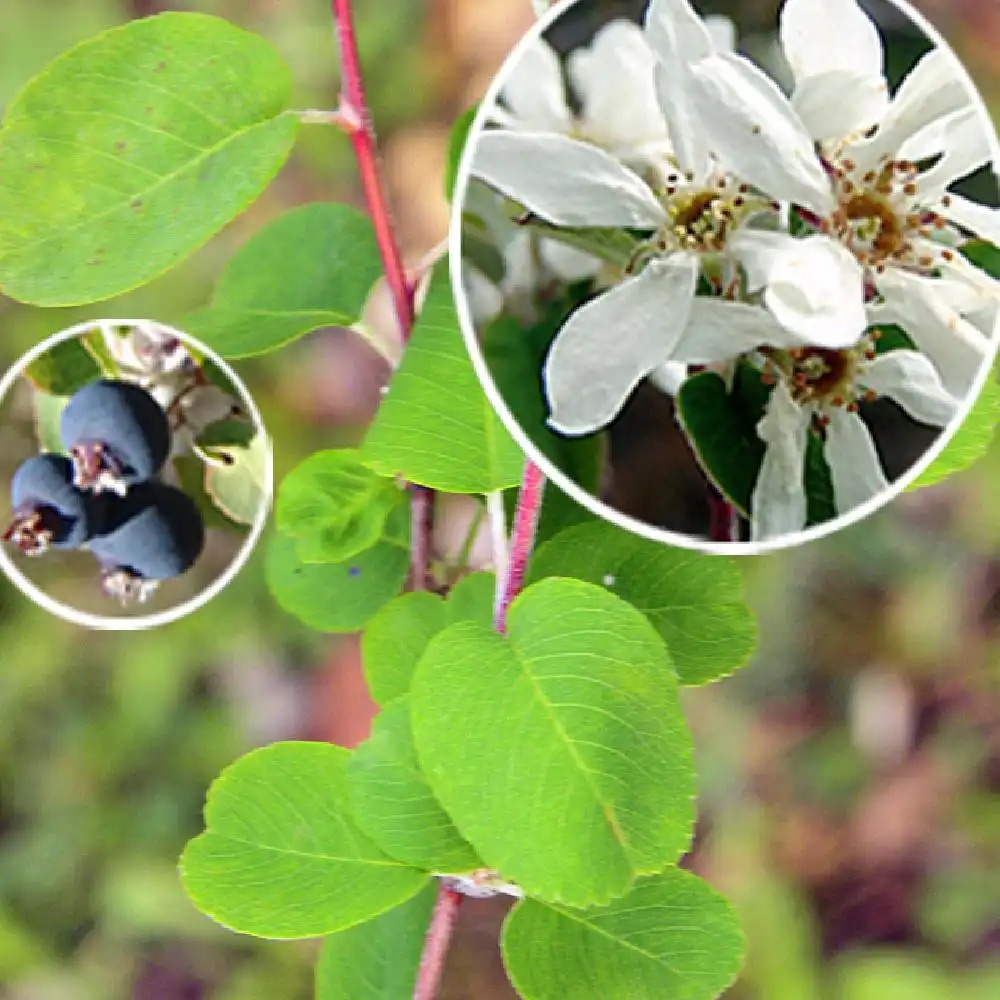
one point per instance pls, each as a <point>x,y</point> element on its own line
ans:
<point>154,533</point>
<point>49,511</point>
<point>117,434</point>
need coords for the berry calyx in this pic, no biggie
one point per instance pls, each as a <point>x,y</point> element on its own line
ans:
<point>48,511</point>
<point>117,434</point>
<point>154,533</point>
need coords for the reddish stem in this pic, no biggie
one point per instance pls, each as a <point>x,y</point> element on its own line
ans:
<point>355,118</point>
<point>355,108</point>
<point>721,518</point>
<point>421,528</point>
<point>529,507</point>
<point>439,933</point>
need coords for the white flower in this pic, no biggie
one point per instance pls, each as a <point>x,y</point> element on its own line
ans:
<point>613,80</point>
<point>635,329</point>
<point>836,57</point>
<point>750,130</point>
<point>891,161</point>
<point>819,391</point>
<point>146,353</point>
<point>696,213</point>
<point>695,221</point>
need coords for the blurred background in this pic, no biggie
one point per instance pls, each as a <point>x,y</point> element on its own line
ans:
<point>850,776</point>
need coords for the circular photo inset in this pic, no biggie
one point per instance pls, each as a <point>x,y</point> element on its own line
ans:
<point>728,270</point>
<point>139,474</point>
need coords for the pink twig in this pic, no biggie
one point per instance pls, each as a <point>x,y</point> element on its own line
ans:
<point>353,116</point>
<point>354,108</point>
<point>721,518</point>
<point>436,943</point>
<point>421,528</point>
<point>529,506</point>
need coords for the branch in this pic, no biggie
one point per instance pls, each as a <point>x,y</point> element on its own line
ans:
<point>722,523</point>
<point>354,107</point>
<point>355,118</point>
<point>436,943</point>
<point>522,540</point>
<point>421,528</point>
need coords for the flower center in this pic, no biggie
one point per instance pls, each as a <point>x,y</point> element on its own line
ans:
<point>871,226</point>
<point>823,377</point>
<point>702,216</point>
<point>880,217</point>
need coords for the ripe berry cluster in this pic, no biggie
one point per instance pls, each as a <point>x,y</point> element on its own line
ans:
<point>106,495</point>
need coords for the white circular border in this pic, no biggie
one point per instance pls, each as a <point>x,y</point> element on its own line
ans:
<point>141,622</point>
<point>552,472</point>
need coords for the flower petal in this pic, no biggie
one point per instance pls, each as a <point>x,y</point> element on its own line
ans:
<point>678,37</point>
<point>614,80</point>
<point>721,31</point>
<point>911,380</point>
<point>953,344</point>
<point>822,36</point>
<point>931,90</point>
<point>567,262</point>
<point>966,148</point>
<point>612,342</point>
<point>854,464</point>
<point>754,131</point>
<point>779,496</point>
<point>840,103</point>
<point>534,92</point>
<point>971,292</point>
<point>718,329</point>
<point>569,183</point>
<point>521,277</point>
<point>673,27</point>
<point>668,377</point>
<point>812,286</point>
<point>484,298</point>
<point>979,219</point>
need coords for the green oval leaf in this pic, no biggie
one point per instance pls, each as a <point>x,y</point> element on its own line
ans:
<point>397,636</point>
<point>312,267</point>
<point>694,601</point>
<point>336,597</point>
<point>64,368</point>
<point>280,857</point>
<point>127,153</point>
<point>377,960</point>
<point>238,480</point>
<point>970,442</point>
<point>435,426</point>
<point>671,936</point>
<point>984,255</point>
<point>721,428</point>
<point>581,775</point>
<point>48,411</point>
<point>821,504</point>
<point>515,354</point>
<point>393,802</point>
<point>334,506</point>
